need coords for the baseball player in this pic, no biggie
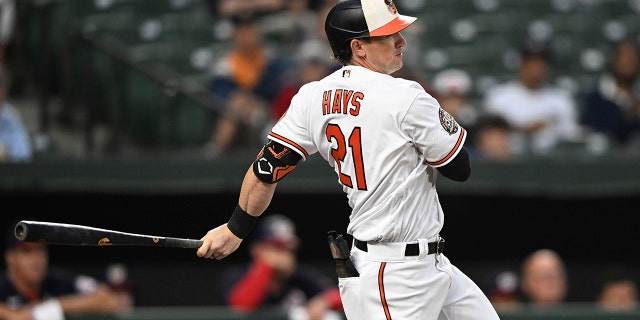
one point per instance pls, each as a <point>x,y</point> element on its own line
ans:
<point>388,140</point>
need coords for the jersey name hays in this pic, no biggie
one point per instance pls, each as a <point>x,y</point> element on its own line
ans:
<point>341,101</point>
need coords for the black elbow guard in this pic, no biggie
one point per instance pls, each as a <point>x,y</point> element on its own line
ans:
<point>274,162</point>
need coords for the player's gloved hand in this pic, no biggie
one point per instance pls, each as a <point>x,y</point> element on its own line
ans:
<point>340,253</point>
<point>218,243</point>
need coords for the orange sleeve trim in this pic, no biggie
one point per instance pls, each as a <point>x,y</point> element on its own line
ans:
<point>293,144</point>
<point>463,133</point>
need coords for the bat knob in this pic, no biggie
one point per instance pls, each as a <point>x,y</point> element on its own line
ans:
<point>20,231</point>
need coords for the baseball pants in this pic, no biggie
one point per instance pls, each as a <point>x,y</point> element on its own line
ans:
<point>424,287</point>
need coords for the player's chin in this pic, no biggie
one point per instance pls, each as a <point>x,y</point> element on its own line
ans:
<point>397,65</point>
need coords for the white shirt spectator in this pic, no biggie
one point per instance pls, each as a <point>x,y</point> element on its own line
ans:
<point>15,144</point>
<point>552,109</point>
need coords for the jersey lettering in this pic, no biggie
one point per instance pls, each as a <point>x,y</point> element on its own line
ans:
<point>341,101</point>
<point>333,132</point>
<point>326,100</point>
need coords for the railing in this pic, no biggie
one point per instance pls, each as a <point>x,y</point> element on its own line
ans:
<point>565,312</point>
<point>613,177</point>
<point>185,313</point>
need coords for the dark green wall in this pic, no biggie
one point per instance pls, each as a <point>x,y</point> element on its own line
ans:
<point>484,233</point>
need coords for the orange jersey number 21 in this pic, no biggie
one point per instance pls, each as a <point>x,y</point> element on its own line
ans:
<point>339,153</point>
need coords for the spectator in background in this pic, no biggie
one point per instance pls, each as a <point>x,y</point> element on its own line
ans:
<point>543,114</point>
<point>316,43</point>
<point>492,139</point>
<point>7,22</point>
<point>453,88</point>
<point>618,292</point>
<point>502,290</point>
<point>232,8</point>
<point>30,289</point>
<point>543,279</point>
<point>274,279</point>
<point>245,83</point>
<point>15,141</point>
<point>613,107</point>
<point>291,25</point>
<point>311,69</point>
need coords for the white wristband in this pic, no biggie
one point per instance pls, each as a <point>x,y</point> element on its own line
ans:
<point>48,310</point>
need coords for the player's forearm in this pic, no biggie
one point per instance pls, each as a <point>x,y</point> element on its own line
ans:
<point>102,301</point>
<point>23,313</point>
<point>255,195</point>
<point>4,311</point>
<point>79,303</point>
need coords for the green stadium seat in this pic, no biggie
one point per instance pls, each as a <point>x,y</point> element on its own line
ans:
<point>191,123</point>
<point>193,26</point>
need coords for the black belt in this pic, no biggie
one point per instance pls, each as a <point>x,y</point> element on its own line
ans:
<point>412,249</point>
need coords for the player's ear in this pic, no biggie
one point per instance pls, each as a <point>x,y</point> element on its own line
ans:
<point>357,49</point>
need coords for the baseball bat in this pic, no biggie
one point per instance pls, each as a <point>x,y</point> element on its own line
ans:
<point>79,235</point>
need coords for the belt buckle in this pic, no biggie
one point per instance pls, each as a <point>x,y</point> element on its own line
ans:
<point>440,246</point>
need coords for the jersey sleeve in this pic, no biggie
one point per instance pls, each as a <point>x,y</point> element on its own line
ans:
<point>292,128</point>
<point>435,133</point>
<point>249,292</point>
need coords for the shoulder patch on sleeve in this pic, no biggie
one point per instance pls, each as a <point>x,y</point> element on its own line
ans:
<point>447,122</point>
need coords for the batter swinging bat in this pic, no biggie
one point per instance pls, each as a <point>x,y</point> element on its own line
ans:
<point>79,235</point>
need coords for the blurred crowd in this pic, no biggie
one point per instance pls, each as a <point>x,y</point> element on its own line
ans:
<point>33,289</point>
<point>275,279</point>
<point>276,46</point>
<point>527,115</point>
<point>15,139</point>
<point>544,281</point>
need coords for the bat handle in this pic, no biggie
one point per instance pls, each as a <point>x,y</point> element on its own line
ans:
<point>182,243</point>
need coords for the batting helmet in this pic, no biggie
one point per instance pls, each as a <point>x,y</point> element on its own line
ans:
<point>353,19</point>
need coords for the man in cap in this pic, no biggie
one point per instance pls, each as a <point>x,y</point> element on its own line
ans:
<point>32,290</point>
<point>275,279</point>
<point>387,140</point>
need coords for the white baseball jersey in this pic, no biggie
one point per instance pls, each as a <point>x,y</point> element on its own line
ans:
<point>383,136</point>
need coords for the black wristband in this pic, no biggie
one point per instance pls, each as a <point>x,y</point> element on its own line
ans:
<point>241,223</point>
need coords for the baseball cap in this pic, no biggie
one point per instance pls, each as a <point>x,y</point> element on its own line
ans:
<point>452,81</point>
<point>278,230</point>
<point>503,283</point>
